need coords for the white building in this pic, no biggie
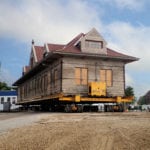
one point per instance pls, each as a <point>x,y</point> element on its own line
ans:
<point>8,100</point>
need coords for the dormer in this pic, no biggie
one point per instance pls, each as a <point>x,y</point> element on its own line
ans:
<point>93,42</point>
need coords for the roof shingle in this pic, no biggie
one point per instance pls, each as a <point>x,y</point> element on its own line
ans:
<point>39,50</point>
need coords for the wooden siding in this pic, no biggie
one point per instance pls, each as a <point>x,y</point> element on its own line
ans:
<point>70,75</point>
<point>44,83</point>
<point>114,88</point>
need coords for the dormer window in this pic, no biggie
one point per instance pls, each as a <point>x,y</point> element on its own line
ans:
<point>94,44</point>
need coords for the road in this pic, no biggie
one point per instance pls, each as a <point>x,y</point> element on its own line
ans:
<point>79,131</point>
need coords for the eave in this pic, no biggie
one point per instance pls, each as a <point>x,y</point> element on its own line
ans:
<point>52,56</point>
<point>37,68</point>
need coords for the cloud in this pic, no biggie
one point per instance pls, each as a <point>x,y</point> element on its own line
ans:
<point>58,21</point>
<point>127,4</point>
<point>46,21</point>
<point>134,41</point>
<point>131,40</point>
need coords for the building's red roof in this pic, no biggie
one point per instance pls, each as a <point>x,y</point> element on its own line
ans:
<point>72,47</point>
<point>113,53</point>
<point>26,69</point>
<point>39,50</point>
<point>54,47</point>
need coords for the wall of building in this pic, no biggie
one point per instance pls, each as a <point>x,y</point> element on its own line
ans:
<point>60,77</point>
<point>6,99</point>
<point>94,66</point>
<point>44,83</point>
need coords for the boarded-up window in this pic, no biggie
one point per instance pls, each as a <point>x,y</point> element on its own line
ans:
<point>81,76</point>
<point>77,76</point>
<point>106,76</point>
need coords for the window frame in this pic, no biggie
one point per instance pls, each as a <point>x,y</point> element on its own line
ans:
<point>2,100</point>
<point>94,44</point>
<point>81,76</point>
<point>106,75</point>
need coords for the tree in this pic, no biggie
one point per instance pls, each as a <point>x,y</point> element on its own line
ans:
<point>4,86</point>
<point>129,91</point>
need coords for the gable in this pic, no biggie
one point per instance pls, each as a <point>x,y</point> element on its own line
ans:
<point>93,42</point>
<point>33,58</point>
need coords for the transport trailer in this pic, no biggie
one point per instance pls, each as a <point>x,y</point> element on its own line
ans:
<point>77,103</point>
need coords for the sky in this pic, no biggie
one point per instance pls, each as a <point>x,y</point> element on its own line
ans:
<point>124,24</point>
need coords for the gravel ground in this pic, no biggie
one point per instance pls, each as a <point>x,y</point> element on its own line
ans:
<point>78,131</point>
<point>10,121</point>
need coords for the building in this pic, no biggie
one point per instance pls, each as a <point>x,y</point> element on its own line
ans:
<point>57,71</point>
<point>8,99</point>
<point>147,98</point>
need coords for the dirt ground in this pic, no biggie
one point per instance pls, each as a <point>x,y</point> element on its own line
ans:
<point>82,131</point>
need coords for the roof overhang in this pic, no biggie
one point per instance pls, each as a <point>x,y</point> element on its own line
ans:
<point>126,59</point>
<point>38,67</point>
<point>52,56</point>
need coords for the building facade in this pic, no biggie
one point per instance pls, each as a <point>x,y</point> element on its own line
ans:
<point>56,69</point>
<point>8,100</point>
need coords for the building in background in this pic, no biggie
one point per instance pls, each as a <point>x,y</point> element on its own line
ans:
<point>8,100</point>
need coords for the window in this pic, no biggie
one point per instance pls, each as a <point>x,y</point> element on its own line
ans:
<point>13,100</point>
<point>93,44</point>
<point>106,76</point>
<point>2,100</point>
<point>8,99</point>
<point>81,76</point>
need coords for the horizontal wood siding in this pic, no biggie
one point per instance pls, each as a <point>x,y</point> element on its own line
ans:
<point>44,83</point>
<point>70,86</point>
<point>63,76</point>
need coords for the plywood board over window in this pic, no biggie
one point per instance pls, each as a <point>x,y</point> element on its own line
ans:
<point>106,76</point>
<point>77,76</point>
<point>84,76</point>
<point>109,77</point>
<point>81,76</point>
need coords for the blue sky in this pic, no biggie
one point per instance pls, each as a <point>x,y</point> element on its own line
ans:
<point>124,24</point>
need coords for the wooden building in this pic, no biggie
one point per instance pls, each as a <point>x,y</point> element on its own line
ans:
<point>56,69</point>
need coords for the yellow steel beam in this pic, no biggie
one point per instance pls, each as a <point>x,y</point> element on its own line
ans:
<point>77,98</point>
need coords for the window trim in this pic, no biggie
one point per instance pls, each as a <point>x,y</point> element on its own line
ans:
<point>80,74</point>
<point>94,44</point>
<point>105,77</point>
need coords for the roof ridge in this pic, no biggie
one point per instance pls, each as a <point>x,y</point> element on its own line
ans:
<point>55,44</point>
<point>75,39</point>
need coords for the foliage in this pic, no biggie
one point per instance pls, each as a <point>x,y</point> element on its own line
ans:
<point>4,86</point>
<point>129,91</point>
<point>141,100</point>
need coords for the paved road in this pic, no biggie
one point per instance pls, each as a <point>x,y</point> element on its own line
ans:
<point>14,120</point>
